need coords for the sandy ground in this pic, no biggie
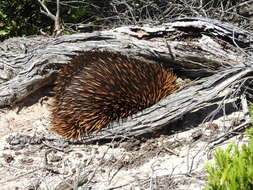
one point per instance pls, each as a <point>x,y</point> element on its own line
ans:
<point>164,161</point>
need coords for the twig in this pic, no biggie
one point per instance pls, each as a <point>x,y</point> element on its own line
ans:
<point>22,175</point>
<point>239,128</point>
<point>57,148</point>
<point>239,5</point>
<point>56,18</point>
<point>118,187</point>
<point>228,135</point>
<point>99,164</point>
<point>46,11</point>
<point>118,168</point>
<point>245,108</point>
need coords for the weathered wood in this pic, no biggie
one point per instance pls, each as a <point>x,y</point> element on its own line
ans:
<point>176,105</point>
<point>194,47</point>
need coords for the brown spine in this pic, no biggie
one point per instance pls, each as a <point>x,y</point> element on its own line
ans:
<point>99,87</point>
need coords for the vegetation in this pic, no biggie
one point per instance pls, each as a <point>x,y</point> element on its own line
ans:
<point>22,18</point>
<point>233,167</point>
<point>18,18</point>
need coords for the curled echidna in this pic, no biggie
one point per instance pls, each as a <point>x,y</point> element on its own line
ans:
<point>99,87</point>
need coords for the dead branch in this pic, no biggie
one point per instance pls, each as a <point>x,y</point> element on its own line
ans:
<point>56,18</point>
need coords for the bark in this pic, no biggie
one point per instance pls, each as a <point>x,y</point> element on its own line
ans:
<point>215,55</point>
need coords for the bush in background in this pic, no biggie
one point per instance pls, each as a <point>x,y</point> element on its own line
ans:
<point>233,167</point>
<point>19,18</point>
<point>23,17</point>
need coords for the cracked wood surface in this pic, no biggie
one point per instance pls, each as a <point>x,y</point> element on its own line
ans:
<point>204,50</point>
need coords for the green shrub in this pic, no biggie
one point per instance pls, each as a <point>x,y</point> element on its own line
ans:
<point>19,18</point>
<point>23,18</point>
<point>233,167</point>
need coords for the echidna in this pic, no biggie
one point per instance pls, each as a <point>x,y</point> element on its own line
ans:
<point>98,87</point>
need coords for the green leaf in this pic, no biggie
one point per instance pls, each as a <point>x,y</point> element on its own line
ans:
<point>4,32</point>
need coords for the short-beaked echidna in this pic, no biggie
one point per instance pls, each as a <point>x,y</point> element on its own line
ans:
<point>97,87</point>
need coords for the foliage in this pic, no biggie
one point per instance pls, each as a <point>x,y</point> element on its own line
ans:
<point>22,18</point>
<point>84,15</point>
<point>233,168</point>
<point>18,18</point>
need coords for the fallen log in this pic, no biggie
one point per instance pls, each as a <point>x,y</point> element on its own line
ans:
<point>216,56</point>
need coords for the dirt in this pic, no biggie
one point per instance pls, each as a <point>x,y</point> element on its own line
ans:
<point>173,158</point>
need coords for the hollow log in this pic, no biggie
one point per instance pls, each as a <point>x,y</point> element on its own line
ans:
<point>215,56</point>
